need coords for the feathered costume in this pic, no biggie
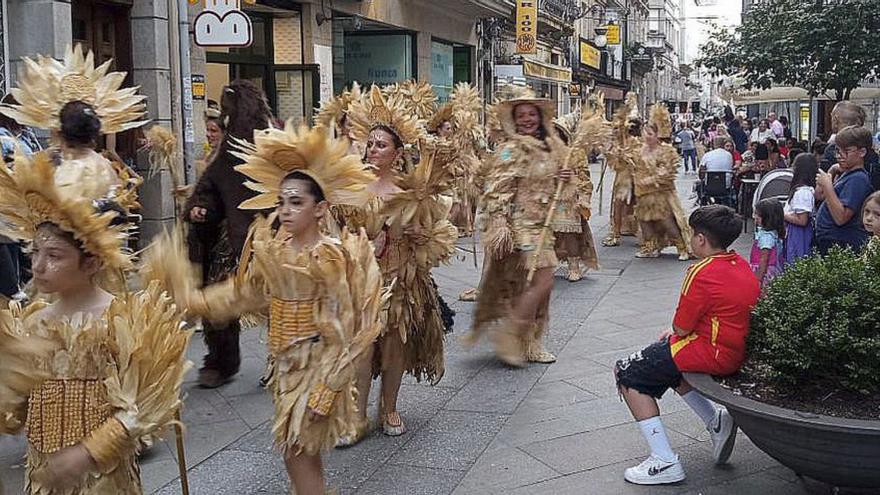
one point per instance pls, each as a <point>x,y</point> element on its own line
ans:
<point>521,183</point>
<point>324,302</point>
<point>417,237</point>
<point>622,157</point>
<point>574,238</point>
<point>658,208</point>
<point>47,85</point>
<point>105,382</point>
<point>463,113</point>
<point>334,112</point>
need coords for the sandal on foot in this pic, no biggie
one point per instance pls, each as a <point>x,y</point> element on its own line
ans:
<point>611,241</point>
<point>392,425</point>
<point>468,295</point>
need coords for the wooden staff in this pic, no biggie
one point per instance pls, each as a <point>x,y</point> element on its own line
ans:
<point>601,185</point>
<point>181,455</point>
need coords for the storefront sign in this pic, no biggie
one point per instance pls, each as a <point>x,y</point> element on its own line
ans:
<point>613,34</point>
<point>527,27</point>
<point>222,23</point>
<point>198,87</point>
<point>379,59</point>
<point>547,72</point>
<point>805,122</point>
<point>324,58</point>
<point>590,55</point>
<point>610,92</point>
<point>574,89</point>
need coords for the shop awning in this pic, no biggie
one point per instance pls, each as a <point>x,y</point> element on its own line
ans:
<point>741,96</point>
<point>547,72</point>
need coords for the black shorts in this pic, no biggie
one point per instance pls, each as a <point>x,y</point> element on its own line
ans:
<point>650,371</point>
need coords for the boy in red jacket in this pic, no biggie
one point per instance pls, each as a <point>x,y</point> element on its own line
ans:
<point>708,335</point>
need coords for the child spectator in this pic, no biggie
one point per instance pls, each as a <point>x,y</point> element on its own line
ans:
<point>871,220</point>
<point>799,208</point>
<point>838,222</point>
<point>708,336</point>
<point>767,250</point>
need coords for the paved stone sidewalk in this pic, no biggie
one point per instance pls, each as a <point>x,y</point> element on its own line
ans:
<point>485,428</point>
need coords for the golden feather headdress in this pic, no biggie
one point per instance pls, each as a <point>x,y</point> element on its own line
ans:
<point>660,117</point>
<point>443,114</point>
<point>276,153</point>
<point>418,97</point>
<point>30,196</point>
<point>331,112</point>
<point>376,109</point>
<point>47,85</point>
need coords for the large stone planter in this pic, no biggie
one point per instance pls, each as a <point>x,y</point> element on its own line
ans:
<point>840,452</point>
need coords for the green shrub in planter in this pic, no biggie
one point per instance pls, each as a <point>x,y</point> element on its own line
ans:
<point>820,322</point>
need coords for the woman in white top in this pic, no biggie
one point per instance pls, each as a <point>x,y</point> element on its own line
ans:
<point>799,208</point>
<point>762,133</point>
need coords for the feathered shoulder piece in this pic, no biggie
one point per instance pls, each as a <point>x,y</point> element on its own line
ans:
<point>275,153</point>
<point>660,117</point>
<point>19,371</point>
<point>47,85</point>
<point>375,110</point>
<point>331,112</point>
<point>418,97</point>
<point>30,196</point>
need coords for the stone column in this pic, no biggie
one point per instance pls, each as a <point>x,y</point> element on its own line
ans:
<point>423,56</point>
<point>36,27</point>
<point>151,70</point>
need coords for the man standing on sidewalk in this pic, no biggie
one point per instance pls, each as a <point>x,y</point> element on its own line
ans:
<point>688,147</point>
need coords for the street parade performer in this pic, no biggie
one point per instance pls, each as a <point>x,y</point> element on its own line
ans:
<point>658,208</point>
<point>323,294</point>
<point>218,228</point>
<point>111,376</point>
<point>574,238</point>
<point>518,243</point>
<point>333,116</point>
<point>407,220</point>
<point>52,92</point>
<point>622,157</point>
<point>458,123</point>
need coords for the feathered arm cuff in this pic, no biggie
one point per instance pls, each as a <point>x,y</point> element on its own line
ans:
<point>19,373</point>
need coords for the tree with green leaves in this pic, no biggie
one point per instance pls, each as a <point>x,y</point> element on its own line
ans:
<point>828,47</point>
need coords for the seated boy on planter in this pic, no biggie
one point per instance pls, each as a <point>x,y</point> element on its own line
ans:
<point>708,336</point>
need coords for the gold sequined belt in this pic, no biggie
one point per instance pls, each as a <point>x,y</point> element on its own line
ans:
<point>291,321</point>
<point>61,413</point>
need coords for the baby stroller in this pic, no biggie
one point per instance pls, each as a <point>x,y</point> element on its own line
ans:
<point>775,184</point>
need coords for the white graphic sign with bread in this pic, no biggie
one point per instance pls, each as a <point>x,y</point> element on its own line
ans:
<point>223,23</point>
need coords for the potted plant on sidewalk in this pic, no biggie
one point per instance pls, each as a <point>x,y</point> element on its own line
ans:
<point>809,392</point>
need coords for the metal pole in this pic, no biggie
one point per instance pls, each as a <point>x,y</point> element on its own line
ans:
<point>186,96</point>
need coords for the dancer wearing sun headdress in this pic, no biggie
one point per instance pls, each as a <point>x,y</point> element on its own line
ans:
<point>407,221</point>
<point>111,372</point>
<point>323,294</point>
<point>92,102</point>
<point>333,116</point>
<point>621,157</point>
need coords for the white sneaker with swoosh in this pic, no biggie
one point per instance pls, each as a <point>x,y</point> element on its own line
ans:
<point>655,471</point>
<point>723,434</point>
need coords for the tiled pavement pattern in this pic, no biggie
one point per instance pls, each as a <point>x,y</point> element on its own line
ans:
<point>485,428</point>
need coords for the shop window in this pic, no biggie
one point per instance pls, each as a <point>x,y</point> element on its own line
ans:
<point>442,69</point>
<point>378,58</point>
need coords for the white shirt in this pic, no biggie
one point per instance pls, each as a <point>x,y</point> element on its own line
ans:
<point>718,160</point>
<point>802,201</point>
<point>777,128</point>
<point>761,137</point>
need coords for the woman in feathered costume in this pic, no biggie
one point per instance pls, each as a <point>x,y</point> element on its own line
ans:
<point>407,221</point>
<point>457,124</point>
<point>333,116</point>
<point>574,238</point>
<point>112,373</point>
<point>519,193</point>
<point>658,209</point>
<point>92,103</point>
<point>323,294</point>
<point>622,157</point>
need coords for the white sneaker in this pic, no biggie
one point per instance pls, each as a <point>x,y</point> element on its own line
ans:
<point>654,471</point>
<point>723,433</point>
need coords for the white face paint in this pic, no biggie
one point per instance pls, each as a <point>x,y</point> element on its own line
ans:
<point>298,210</point>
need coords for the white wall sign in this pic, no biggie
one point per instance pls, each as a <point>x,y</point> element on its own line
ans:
<point>222,23</point>
<point>324,57</point>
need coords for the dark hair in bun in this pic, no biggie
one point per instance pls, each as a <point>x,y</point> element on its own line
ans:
<point>79,123</point>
